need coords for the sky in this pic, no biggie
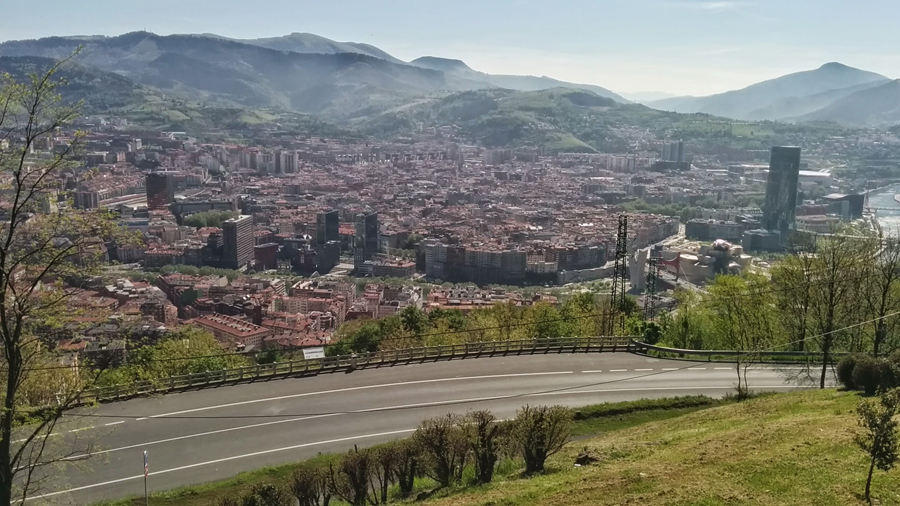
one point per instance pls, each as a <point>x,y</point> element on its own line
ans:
<point>695,47</point>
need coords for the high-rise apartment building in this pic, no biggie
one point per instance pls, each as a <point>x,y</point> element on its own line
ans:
<point>366,238</point>
<point>328,226</point>
<point>160,190</point>
<point>780,207</point>
<point>287,162</point>
<point>238,241</point>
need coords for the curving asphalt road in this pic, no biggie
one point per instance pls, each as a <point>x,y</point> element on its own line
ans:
<point>211,434</point>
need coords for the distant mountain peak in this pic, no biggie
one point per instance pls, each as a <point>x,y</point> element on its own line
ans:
<point>438,63</point>
<point>836,66</point>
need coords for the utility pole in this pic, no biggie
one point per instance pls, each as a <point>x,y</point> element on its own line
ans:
<point>146,472</point>
<point>620,279</point>
<point>652,277</point>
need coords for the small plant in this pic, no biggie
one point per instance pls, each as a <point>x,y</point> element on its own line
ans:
<point>878,436</point>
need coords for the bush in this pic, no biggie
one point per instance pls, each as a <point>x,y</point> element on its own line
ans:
<point>444,448</point>
<point>310,486</point>
<point>872,374</point>
<point>350,479</point>
<point>264,495</point>
<point>385,460</point>
<point>845,371</point>
<point>483,434</point>
<point>407,467</point>
<point>539,432</point>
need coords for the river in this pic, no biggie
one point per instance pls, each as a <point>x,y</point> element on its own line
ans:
<point>884,199</point>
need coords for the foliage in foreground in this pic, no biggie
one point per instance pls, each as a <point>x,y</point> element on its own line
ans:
<point>878,437</point>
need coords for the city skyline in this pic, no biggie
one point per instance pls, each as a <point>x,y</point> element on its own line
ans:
<point>684,47</point>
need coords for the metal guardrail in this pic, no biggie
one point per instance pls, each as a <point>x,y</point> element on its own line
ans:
<point>709,355</point>
<point>363,360</point>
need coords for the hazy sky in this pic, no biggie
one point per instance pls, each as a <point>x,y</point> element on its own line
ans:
<point>677,46</point>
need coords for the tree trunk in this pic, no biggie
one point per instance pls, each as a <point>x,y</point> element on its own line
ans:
<point>826,358</point>
<point>869,480</point>
<point>6,428</point>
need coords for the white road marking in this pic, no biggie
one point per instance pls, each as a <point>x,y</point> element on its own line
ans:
<point>724,368</point>
<point>210,433</point>
<point>661,389</point>
<point>217,461</point>
<point>55,434</point>
<point>618,370</point>
<point>642,370</point>
<point>351,389</point>
<point>114,423</point>
<point>351,438</point>
<point>590,372</point>
<point>697,369</point>
<point>669,368</point>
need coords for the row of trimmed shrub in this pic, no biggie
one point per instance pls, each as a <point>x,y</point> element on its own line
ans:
<point>869,374</point>
<point>442,449</point>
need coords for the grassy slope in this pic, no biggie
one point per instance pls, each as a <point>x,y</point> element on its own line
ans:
<point>785,449</point>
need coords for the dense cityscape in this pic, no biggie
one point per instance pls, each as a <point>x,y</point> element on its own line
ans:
<point>291,271</point>
<point>270,245</point>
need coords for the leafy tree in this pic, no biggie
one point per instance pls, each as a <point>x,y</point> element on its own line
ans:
<point>837,268</point>
<point>507,316</point>
<point>454,318</point>
<point>39,248</point>
<point>187,350</point>
<point>357,337</point>
<point>414,319</point>
<point>583,315</point>
<point>543,321</point>
<point>742,314</point>
<point>881,288</point>
<point>878,437</point>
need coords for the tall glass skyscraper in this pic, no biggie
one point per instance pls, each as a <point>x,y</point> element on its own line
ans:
<point>780,208</point>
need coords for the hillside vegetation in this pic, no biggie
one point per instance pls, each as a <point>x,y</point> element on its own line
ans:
<point>785,449</point>
<point>108,93</point>
<point>557,119</point>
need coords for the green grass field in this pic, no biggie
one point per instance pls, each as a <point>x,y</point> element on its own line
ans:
<point>783,449</point>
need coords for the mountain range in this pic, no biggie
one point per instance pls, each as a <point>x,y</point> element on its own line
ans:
<point>186,79</point>
<point>799,96</point>
<point>299,72</point>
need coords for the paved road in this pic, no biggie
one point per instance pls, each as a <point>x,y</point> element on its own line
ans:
<point>204,435</point>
